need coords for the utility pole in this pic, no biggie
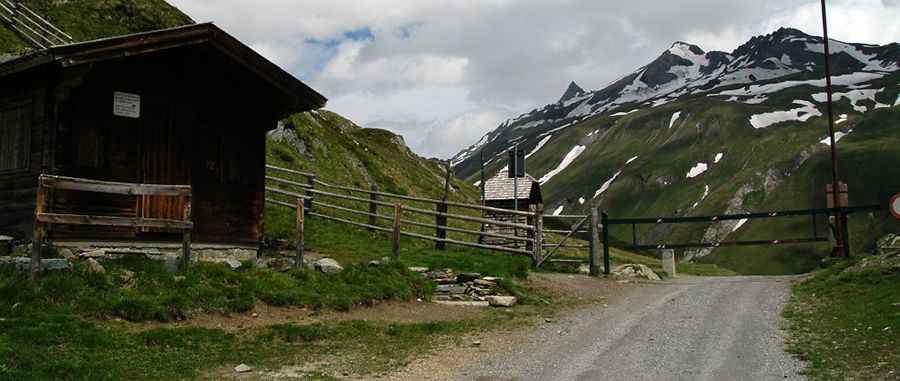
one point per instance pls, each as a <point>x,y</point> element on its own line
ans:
<point>835,182</point>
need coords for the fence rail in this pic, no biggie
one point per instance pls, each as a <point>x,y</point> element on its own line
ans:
<point>44,217</point>
<point>289,192</point>
<point>35,29</point>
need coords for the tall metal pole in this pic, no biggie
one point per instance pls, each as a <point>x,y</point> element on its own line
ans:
<point>838,234</point>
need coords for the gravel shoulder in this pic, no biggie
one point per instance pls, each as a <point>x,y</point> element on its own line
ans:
<point>692,328</point>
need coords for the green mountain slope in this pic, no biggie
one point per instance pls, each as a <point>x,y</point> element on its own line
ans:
<point>92,19</point>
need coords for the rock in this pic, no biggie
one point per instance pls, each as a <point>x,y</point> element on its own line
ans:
<point>24,264</point>
<point>243,368</point>
<point>492,279</point>
<point>451,280</point>
<point>451,289</point>
<point>93,266</point>
<point>234,264</point>
<point>584,269</point>
<point>328,266</point>
<point>67,254</point>
<point>420,270</point>
<point>485,283</point>
<point>467,277</point>
<point>93,254</point>
<point>476,343</point>
<point>502,301</point>
<point>439,274</point>
<point>180,278</point>
<point>464,303</point>
<point>635,271</point>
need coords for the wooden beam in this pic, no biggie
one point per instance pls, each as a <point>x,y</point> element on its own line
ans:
<point>76,184</point>
<point>77,219</point>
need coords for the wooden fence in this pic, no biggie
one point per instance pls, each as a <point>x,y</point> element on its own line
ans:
<point>35,29</point>
<point>312,197</point>
<point>44,217</point>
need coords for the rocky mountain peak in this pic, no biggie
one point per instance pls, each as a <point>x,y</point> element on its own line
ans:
<point>571,92</point>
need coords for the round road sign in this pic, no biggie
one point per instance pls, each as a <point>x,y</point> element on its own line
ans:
<point>895,206</point>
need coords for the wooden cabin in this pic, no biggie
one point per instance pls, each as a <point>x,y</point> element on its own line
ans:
<point>188,105</point>
<point>502,191</point>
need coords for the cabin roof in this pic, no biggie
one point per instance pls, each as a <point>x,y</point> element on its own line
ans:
<point>298,95</point>
<point>503,187</point>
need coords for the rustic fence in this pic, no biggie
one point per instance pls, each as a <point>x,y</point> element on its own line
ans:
<point>44,217</point>
<point>35,29</point>
<point>309,196</point>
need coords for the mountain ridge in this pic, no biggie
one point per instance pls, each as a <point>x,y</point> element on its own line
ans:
<point>695,132</point>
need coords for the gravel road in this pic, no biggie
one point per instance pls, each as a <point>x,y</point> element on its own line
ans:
<point>690,328</point>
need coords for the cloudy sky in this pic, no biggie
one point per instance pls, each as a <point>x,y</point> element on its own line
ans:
<point>443,72</point>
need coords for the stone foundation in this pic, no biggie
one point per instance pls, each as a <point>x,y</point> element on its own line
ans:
<point>161,250</point>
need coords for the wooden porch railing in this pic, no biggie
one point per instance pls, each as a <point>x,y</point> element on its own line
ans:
<point>44,217</point>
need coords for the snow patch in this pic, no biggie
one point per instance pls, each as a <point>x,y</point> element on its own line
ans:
<point>559,210</point>
<point>740,223</point>
<point>801,114</point>
<point>581,200</point>
<point>626,113</point>
<point>718,157</point>
<point>631,160</point>
<point>855,96</point>
<point>705,195</point>
<point>607,184</point>
<point>840,80</point>
<point>477,183</point>
<point>539,146</point>
<point>837,137</point>
<point>566,161</point>
<point>841,119</point>
<point>675,117</point>
<point>897,102</point>
<point>697,170</point>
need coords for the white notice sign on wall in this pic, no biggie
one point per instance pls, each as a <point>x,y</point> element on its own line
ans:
<point>126,104</point>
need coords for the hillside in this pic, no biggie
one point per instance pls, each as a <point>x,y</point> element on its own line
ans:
<point>92,19</point>
<point>704,133</point>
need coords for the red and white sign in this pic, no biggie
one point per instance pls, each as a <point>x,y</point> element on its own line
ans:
<point>895,206</point>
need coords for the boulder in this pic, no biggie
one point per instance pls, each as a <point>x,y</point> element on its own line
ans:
<point>485,283</point>
<point>328,266</point>
<point>93,266</point>
<point>584,268</point>
<point>502,301</point>
<point>632,270</point>
<point>420,270</point>
<point>243,368</point>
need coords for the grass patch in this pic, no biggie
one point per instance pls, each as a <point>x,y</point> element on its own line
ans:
<point>846,324</point>
<point>152,293</point>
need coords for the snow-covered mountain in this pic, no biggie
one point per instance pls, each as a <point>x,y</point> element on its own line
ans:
<point>667,138</point>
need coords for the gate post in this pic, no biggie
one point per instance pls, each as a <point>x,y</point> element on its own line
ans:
<point>373,207</point>
<point>594,259</point>
<point>605,226</point>
<point>538,235</point>
<point>668,261</point>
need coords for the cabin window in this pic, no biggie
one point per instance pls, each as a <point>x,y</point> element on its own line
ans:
<point>14,138</point>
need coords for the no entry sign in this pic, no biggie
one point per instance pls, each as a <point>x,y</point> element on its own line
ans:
<point>895,206</point>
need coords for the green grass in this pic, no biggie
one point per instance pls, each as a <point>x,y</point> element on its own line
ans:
<point>846,324</point>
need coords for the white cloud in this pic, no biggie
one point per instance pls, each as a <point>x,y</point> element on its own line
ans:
<point>421,67</point>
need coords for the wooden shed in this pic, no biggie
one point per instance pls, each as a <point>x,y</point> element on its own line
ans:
<point>188,105</point>
<point>503,191</point>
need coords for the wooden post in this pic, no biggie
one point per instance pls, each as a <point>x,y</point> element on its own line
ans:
<point>301,240</point>
<point>311,180</point>
<point>594,259</point>
<point>529,220</point>
<point>186,236</point>
<point>605,226</point>
<point>395,247</point>
<point>441,222</point>
<point>373,207</point>
<point>38,239</point>
<point>538,211</point>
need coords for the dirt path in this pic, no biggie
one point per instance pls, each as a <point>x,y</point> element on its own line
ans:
<point>686,329</point>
